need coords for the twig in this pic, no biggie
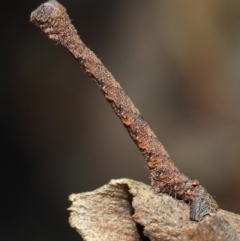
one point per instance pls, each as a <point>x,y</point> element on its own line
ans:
<point>52,19</point>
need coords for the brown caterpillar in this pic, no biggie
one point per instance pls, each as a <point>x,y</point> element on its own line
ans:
<point>52,19</point>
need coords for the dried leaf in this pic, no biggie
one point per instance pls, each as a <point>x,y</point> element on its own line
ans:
<point>128,210</point>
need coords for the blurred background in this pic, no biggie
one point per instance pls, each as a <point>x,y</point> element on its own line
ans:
<point>179,63</point>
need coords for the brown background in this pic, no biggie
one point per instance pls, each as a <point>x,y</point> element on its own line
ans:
<point>179,62</point>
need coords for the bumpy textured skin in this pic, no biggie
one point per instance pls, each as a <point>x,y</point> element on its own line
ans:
<point>52,19</point>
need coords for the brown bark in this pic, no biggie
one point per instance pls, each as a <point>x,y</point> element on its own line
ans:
<point>128,210</point>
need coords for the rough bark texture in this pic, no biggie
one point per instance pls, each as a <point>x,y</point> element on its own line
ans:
<point>128,210</point>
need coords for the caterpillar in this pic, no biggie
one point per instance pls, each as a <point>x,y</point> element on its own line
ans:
<point>51,17</point>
